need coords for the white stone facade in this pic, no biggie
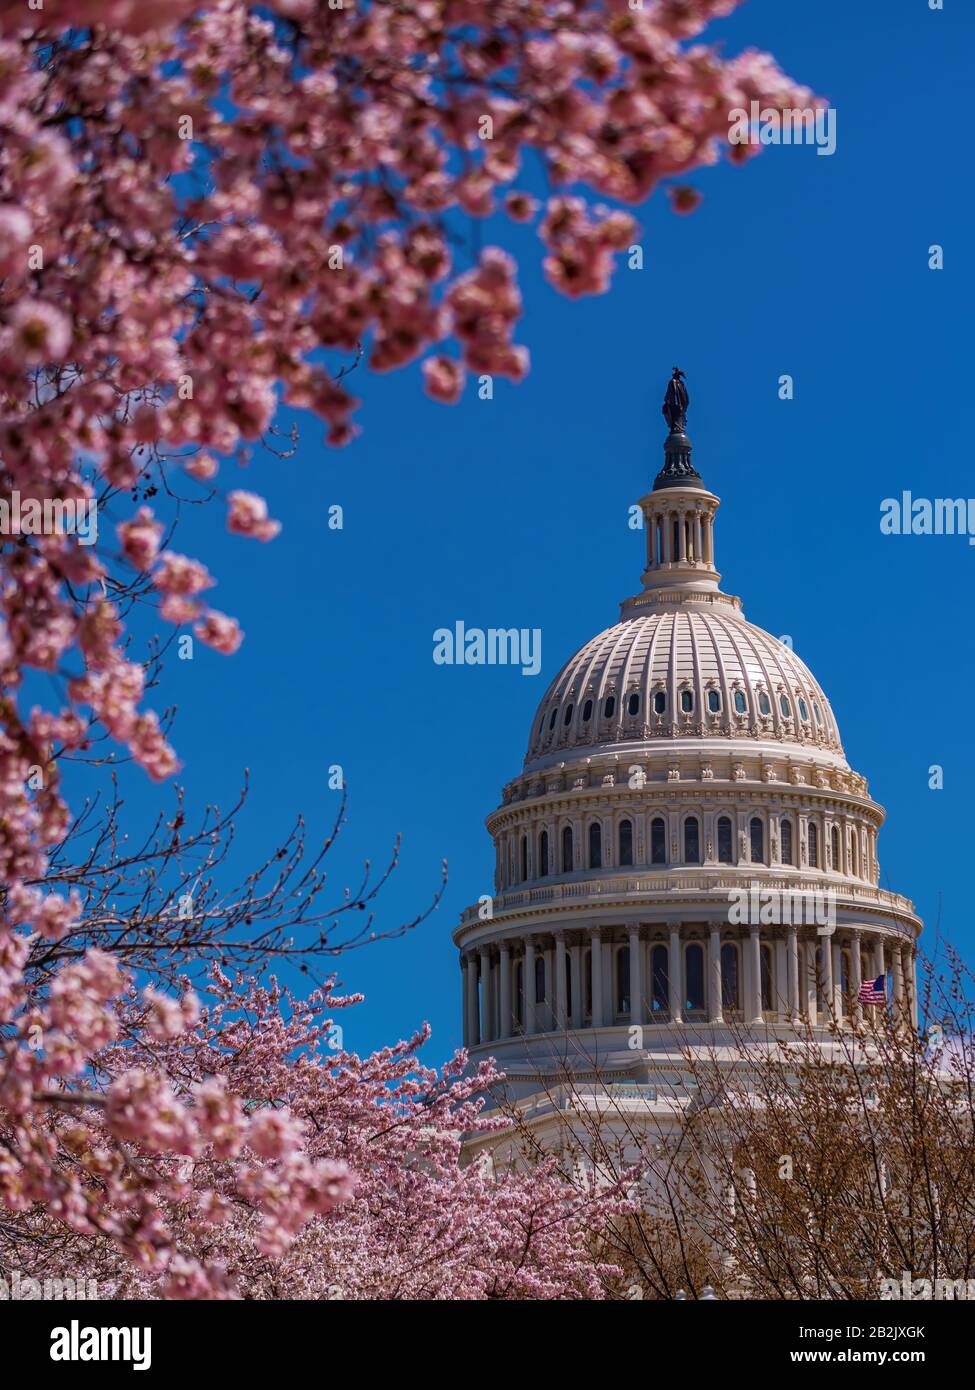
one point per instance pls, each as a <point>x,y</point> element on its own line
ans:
<point>681,764</point>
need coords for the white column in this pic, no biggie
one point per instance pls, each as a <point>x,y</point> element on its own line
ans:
<point>505,1029</point>
<point>714,976</point>
<point>558,993</point>
<point>812,1002</point>
<point>826,963</point>
<point>675,976</point>
<point>575,977</point>
<point>636,977</point>
<point>467,976</point>
<point>487,1023</point>
<point>596,973</point>
<point>837,995</point>
<point>912,988</point>
<point>792,946</point>
<point>900,1012</point>
<point>529,978</point>
<point>856,980</point>
<point>755,976</point>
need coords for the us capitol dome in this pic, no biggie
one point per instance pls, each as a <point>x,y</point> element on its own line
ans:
<point>681,762</point>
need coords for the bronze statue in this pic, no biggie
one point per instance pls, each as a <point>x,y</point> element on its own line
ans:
<point>676,402</point>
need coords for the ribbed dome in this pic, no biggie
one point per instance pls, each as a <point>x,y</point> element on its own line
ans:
<point>682,671</point>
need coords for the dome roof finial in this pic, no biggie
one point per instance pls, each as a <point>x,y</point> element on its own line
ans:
<point>678,471</point>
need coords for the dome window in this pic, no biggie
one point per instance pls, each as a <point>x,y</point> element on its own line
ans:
<point>819,717</point>
<point>692,841</point>
<point>729,977</point>
<point>694,978</point>
<point>658,842</point>
<point>785,707</point>
<point>551,722</point>
<point>803,711</point>
<point>757,840</point>
<point>787,842</point>
<point>568,714</point>
<point>609,707</point>
<point>626,843</point>
<point>687,701</point>
<point>595,846</point>
<point>543,854</point>
<point>633,704</point>
<point>587,712</point>
<point>724,840</point>
<point>812,841</point>
<point>714,701</point>
<point>659,980</point>
<point>659,701</point>
<point>764,704</point>
<point>567,849</point>
<point>741,704</point>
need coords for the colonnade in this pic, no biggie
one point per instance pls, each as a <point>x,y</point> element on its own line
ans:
<point>574,978</point>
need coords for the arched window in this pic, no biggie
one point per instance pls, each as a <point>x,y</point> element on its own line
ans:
<point>785,707</point>
<point>659,701</point>
<point>567,849</point>
<point>687,701</point>
<point>812,841</point>
<point>724,841</point>
<point>764,704</point>
<point>543,854</point>
<point>714,701</point>
<point>551,722</point>
<point>539,979</point>
<point>741,704</point>
<point>626,842</point>
<point>854,857</point>
<point>766,959</point>
<point>623,980</point>
<point>568,715</point>
<point>587,712</point>
<point>834,839</point>
<point>729,976</point>
<point>633,704</point>
<point>659,980</point>
<point>694,976</point>
<point>692,841</point>
<point>609,707</point>
<point>658,842</point>
<point>757,833</point>
<point>595,846</point>
<point>787,842</point>
<point>804,711</point>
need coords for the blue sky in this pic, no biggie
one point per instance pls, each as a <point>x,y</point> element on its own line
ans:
<point>513,512</point>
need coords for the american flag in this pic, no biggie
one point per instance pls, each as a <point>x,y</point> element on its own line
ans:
<point>874,991</point>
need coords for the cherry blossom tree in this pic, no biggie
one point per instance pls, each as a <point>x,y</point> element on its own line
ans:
<point>207,211</point>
